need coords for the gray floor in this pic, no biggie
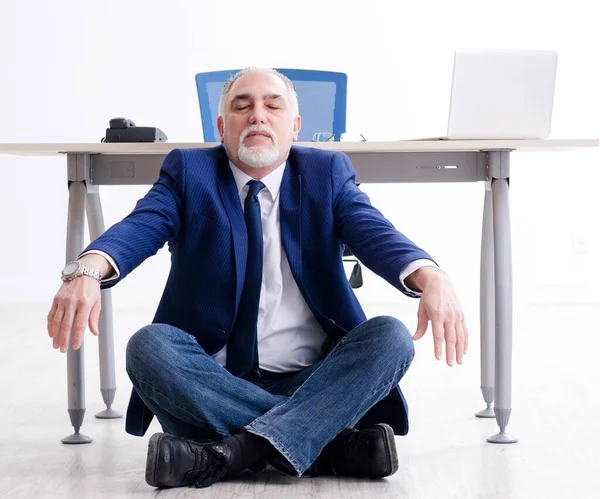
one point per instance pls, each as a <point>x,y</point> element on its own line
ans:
<point>556,400</point>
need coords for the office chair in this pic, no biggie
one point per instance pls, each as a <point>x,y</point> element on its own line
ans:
<point>322,100</point>
<point>322,97</point>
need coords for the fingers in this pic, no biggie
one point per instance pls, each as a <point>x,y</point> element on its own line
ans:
<point>438,338</point>
<point>440,305</point>
<point>79,325</point>
<point>95,317</point>
<point>421,325</point>
<point>76,305</point>
<point>56,322</point>
<point>449,329</point>
<point>64,330</point>
<point>450,342</point>
<point>460,341</point>
<point>50,319</point>
<point>466,332</point>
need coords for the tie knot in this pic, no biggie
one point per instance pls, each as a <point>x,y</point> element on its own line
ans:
<point>255,187</point>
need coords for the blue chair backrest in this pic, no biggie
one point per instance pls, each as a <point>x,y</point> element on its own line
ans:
<point>321,97</point>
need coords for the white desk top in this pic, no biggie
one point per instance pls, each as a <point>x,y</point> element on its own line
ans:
<point>49,149</point>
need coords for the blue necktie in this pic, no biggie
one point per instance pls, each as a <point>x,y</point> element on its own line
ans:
<point>242,346</point>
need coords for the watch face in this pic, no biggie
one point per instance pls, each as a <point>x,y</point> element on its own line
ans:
<point>71,268</point>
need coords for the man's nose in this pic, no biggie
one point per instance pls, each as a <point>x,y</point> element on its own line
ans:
<point>258,116</point>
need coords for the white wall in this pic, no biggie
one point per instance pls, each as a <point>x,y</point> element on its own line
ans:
<point>69,66</point>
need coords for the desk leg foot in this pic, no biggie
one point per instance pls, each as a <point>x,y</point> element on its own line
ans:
<point>488,413</point>
<point>109,396</point>
<point>502,417</point>
<point>109,413</point>
<point>488,396</point>
<point>76,438</point>
<point>502,438</point>
<point>76,416</point>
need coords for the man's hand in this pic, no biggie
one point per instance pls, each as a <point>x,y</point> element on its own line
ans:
<point>439,304</point>
<point>77,303</point>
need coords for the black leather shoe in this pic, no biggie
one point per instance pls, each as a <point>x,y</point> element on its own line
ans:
<point>180,462</point>
<point>367,453</point>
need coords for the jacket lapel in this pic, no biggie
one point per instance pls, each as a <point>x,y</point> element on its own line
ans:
<point>290,206</point>
<point>233,207</point>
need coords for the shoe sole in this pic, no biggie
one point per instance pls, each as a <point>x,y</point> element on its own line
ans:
<point>390,448</point>
<point>152,458</point>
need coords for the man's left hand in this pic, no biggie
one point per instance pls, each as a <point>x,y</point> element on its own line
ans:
<point>439,304</point>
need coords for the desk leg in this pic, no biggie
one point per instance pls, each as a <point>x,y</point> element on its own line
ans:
<point>486,306</point>
<point>75,358</point>
<point>106,345</point>
<point>499,170</point>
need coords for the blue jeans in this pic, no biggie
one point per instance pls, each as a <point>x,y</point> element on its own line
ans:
<point>298,412</point>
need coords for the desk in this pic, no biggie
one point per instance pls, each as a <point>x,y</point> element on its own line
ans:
<point>487,161</point>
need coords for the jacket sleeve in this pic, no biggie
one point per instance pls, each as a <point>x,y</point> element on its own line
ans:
<point>363,228</point>
<point>154,220</point>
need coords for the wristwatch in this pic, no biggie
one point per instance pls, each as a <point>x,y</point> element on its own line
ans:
<point>76,269</point>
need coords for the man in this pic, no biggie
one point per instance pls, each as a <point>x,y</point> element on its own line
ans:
<point>259,351</point>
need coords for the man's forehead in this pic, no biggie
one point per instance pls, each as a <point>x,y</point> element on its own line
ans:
<point>259,84</point>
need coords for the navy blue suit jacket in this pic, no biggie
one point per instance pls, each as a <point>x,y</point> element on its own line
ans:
<point>194,206</point>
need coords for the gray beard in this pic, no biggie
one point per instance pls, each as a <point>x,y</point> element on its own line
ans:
<point>256,157</point>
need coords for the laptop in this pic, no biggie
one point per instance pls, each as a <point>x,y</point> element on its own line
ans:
<point>501,94</point>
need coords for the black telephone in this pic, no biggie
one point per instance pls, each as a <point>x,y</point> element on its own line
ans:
<point>120,123</point>
<point>124,130</point>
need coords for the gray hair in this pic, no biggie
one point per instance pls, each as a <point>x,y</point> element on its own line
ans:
<point>288,83</point>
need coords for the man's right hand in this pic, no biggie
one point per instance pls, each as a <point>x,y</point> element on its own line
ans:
<point>77,305</point>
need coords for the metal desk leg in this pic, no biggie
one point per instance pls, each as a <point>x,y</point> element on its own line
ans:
<point>499,173</point>
<point>106,345</point>
<point>75,358</point>
<point>486,306</point>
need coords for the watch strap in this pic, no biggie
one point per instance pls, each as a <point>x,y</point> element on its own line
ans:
<point>91,271</point>
<point>81,269</point>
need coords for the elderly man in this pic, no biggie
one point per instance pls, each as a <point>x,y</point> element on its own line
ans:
<point>259,352</point>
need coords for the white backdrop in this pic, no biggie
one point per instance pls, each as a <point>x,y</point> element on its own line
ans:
<point>71,65</point>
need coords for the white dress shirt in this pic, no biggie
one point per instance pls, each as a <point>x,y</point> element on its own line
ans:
<point>289,336</point>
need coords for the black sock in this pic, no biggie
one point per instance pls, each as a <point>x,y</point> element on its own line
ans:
<point>247,449</point>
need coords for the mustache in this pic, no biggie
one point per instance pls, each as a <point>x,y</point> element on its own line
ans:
<point>257,128</point>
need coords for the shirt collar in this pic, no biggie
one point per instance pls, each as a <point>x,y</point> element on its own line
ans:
<point>272,181</point>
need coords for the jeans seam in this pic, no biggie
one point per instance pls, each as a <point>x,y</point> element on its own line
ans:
<point>291,392</point>
<point>141,380</point>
